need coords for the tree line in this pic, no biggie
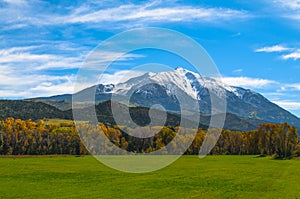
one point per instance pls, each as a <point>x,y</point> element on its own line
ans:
<point>20,137</point>
<point>26,137</point>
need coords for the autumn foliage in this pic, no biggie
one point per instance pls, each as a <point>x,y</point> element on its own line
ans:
<point>20,137</point>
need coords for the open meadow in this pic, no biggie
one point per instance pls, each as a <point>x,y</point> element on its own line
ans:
<point>188,177</point>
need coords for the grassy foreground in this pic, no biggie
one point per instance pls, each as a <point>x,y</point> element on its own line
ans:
<point>188,177</point>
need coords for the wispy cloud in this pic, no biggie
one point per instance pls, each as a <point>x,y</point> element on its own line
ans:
<point>19,14</point>
<point>43,68</point>
<point>237,71</point>
<point>16,85</point>
<point>289,105</point>
<point>248,82</point>
<point>289,9</point>
<point>15,2</point>
<point>24,57</point>
<point>25,70</point>
<point>294,55</point>
<point>293,86</point>
<point>148,13</point>
<point>288,53</point>
<point>47,88</point>
<point>119,76</point>
<point>271,49</point>
<point>289,4</point>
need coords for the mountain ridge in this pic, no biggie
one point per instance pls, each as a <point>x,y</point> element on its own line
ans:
<point>161,88</point>
<point>20,109</point>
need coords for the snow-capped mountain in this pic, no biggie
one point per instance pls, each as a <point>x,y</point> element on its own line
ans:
<point>189,82</point>
<point>164,87</point>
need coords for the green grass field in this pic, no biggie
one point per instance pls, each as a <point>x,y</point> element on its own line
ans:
<point>189,177</point>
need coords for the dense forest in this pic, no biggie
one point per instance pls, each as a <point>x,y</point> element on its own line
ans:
<point>25,137</point>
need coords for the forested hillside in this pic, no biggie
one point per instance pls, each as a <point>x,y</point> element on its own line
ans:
<point>38,110</point>
<point>30,110</point>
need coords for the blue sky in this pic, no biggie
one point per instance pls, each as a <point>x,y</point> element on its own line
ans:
<point>255,44</point>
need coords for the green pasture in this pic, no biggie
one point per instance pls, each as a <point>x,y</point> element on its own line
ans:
<point>188,177</point>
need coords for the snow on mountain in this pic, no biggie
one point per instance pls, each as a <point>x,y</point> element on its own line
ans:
<point>193,84</point>
<point>161,88</point>
<point>179,80</point>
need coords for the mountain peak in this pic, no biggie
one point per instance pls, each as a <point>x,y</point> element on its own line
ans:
<point>164,87</point>
<point>180,69</point>
<point>186,72</point>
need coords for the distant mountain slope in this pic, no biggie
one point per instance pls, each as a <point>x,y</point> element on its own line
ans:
<point>160,88</point>
<point>30,110</point>
<point>64,97</point>
<point>140,115</point>
<point>62,105</point>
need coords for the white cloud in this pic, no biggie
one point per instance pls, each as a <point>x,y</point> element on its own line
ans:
<point>294,86</point>
<point>49,88</point>
<point>41,61</point>
<point>248,82</point>
<point>26,57</point>
<point>150,13</point>
<point>13,94</point>
<point>98,58</point>
<point>238,71</point>
<point>126,15</point>
<point>17,49</point>
<point>289,105</point>
<point>120,76</point>
<point>34,85</point>
<point>289,9</point>
<point>289,4</point>
<point>294,55</point>
<point>15,2</point>
<point>276,48</point>
<point>24,71</point>
<point>27,60</point>
<point>23,76</point>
